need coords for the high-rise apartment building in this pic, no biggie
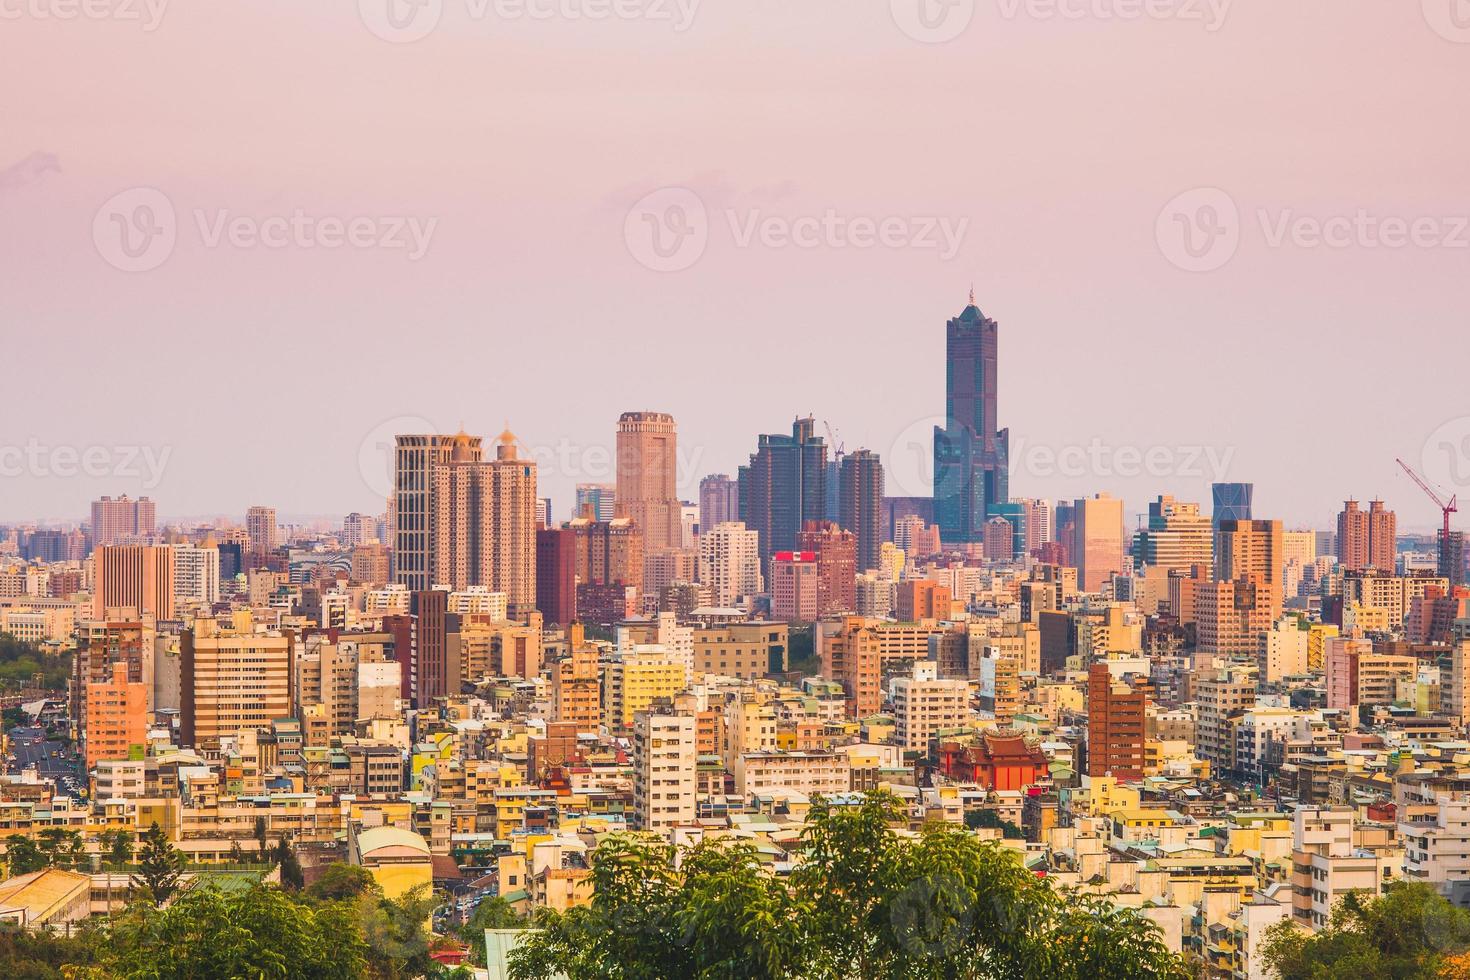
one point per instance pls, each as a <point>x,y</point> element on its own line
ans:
<point>794,586</point>
<point>122,519</point>
<point>1366,539</point>
<point>1097,541</point>
<point>1039,526</point>
<point>260,527</point>
<point>576,683</point>
<point>647,470</point>
<point>837,566</point>
<point>413,461</point>
<point>117,717</point>
<point>1116,725</point>
<point>432,673</point>
<point>664,771</point>
<point>482,522</point>
<point>719,501</point>
<point>232,678</point>
<point>608,552</point>
<point>133,580</point>
<point>784,486</point>
<point>196,576</point>
<point>556,574</point>
<point>860,503</point>
<point>730,562</point>
<point>971,455</point>
<point>920,599</point>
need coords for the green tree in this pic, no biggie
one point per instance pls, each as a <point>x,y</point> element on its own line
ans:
<point>1409,932</point>
<point>160,865</point>
<point>38,954</point>
<point>396,934</point>
<point>62,848</point>
<point>340,881</point>
<point>260,932</point>
<point>865,902</point>
<point>22,856</point>
<point>284,856</point>
<point>117,848</point>
<point>493,912</point>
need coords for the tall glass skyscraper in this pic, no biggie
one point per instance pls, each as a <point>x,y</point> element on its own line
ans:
<point>1232,502</point>
<point>784,486</point>
<point>971,456</point>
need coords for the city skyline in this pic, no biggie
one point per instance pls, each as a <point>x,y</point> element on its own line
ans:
<point>1072,470</point>
<point>1106,337</point>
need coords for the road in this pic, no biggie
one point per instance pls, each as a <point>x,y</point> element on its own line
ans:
<point>28,747</point>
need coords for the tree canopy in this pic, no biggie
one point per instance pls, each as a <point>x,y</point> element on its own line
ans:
<point>1408,933</point>
<point>866,902</point>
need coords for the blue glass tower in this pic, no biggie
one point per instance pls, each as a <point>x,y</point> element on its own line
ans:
<point>971,456</point>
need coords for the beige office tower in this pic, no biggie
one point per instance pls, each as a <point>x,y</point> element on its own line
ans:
<point>233,678</point>
<point>1178,536</point>
<point>482,522</point>
<point>260,526</point>
<point>647,488</point>
<point>133,580</point>
<point>1097,548</point>
<point>413,460</point>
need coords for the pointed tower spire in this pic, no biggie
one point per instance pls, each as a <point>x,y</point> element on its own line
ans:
<point>972,293</point>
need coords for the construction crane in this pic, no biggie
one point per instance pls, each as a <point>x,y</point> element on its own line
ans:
<point>837,444</point>
<point>1447,556</point>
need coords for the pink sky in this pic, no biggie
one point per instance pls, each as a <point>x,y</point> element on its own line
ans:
<point>1055,142</point>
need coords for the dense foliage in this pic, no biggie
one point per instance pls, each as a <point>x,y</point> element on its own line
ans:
<point>21,662</point>
<point>866,902</point>
<point>1408,933</point>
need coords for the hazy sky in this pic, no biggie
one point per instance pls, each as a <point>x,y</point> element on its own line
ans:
<point>179,184</point>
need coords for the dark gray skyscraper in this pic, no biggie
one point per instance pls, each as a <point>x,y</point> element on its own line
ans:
<point>784,486</point>
<point>971,456</point>
<point>860,506</point>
